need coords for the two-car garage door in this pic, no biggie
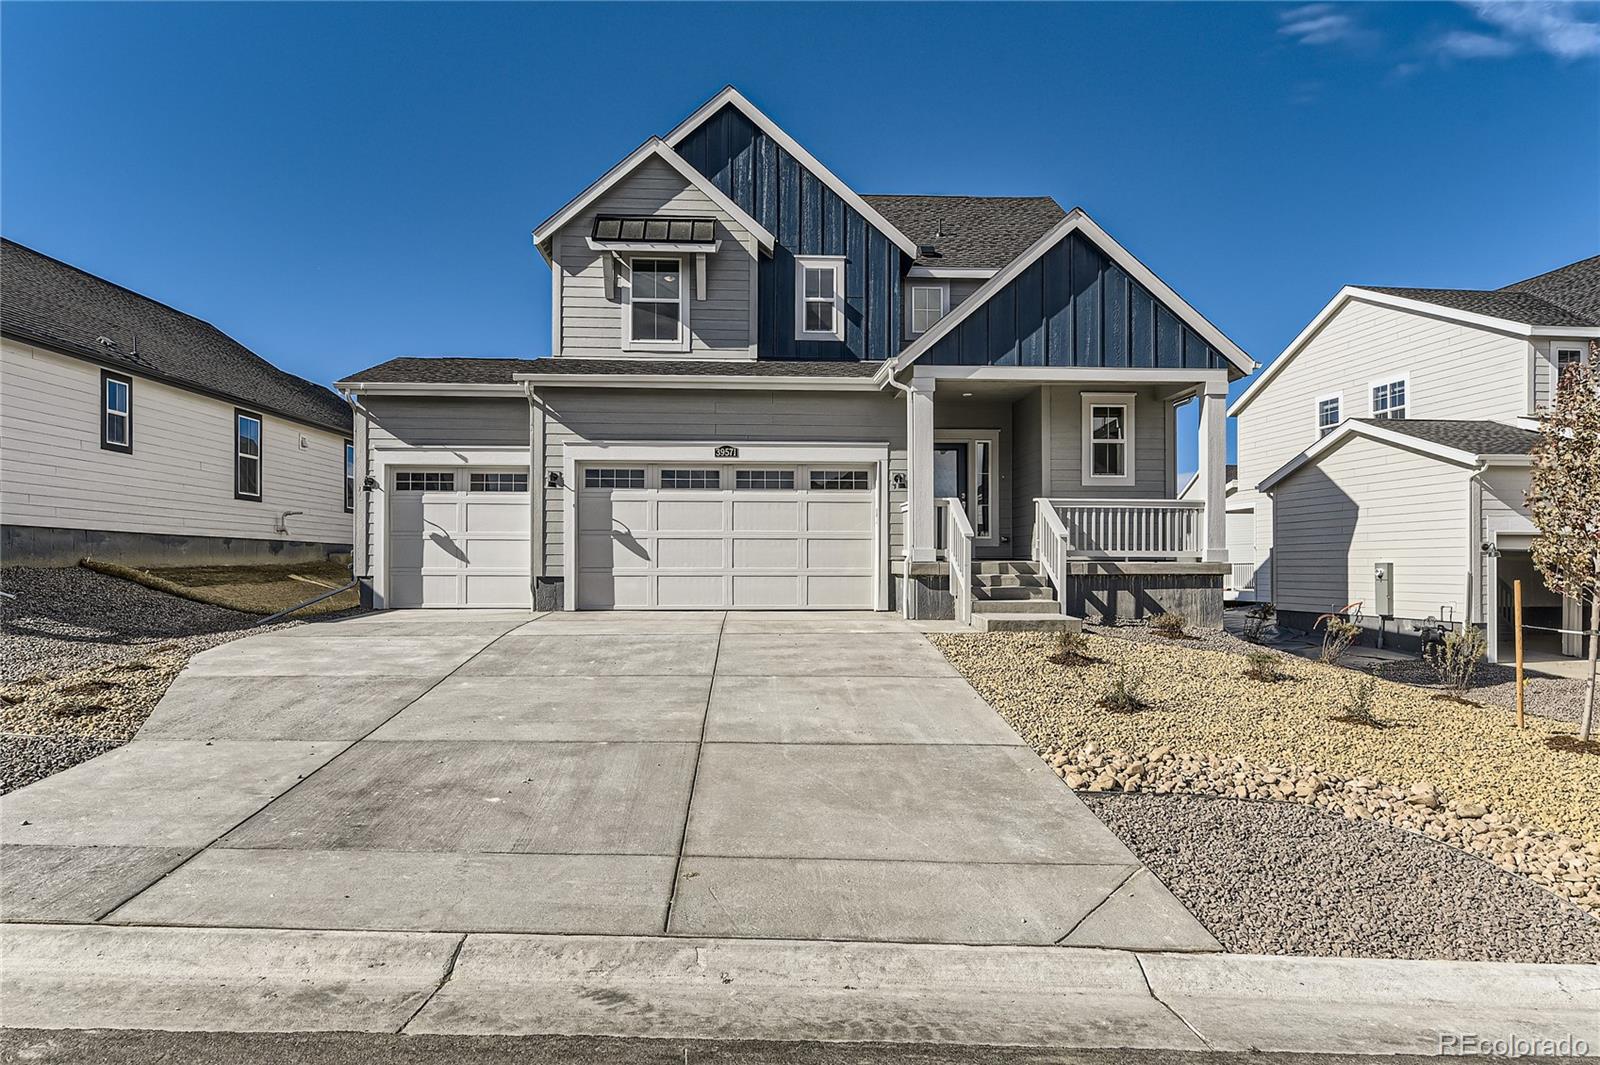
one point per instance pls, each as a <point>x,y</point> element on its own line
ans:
<point>693,536</point>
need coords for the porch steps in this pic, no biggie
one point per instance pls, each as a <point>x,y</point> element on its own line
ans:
<point>1013,596</point>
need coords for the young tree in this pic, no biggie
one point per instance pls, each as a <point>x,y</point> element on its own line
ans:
<point>1564,500</point>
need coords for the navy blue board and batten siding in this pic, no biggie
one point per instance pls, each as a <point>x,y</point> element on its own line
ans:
<point>1074,307</point>
<point>805,217</point>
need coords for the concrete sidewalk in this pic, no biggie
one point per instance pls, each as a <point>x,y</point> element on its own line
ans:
<point>699,988</point>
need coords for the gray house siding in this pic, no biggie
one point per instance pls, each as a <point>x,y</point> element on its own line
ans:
<point>805,218</point>
<point>1074,307</point>
<point>1151,459</point>
<point>1027,468</point>
<point>970,414</point>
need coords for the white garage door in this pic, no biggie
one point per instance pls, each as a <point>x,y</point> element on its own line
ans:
<point>458,538</point>
<point>708,536</point>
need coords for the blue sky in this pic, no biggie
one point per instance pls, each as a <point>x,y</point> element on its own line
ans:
<point>337,184</point>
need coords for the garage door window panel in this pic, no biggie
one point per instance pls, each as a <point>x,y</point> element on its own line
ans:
<point>702,480</point>
<point>764,480</point>
<point>613,478</point>
<point>498,482</point>
<point>419,481</point>
<point>838,480</point>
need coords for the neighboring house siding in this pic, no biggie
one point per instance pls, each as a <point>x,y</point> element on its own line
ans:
<point>1074,307</point>
<point>179,478</point>
<point>593,415</point>
<point>1502,508</point>
<point>720,324</point>
<point>805,218</point>
<point>1367,502</point>
<point>1027,416</point>
<point>394,423</point>
<point>1150,441</point>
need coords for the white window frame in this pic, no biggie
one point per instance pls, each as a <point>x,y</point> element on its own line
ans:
<point>1316,413</point>
<point>625,292</point>
<point>1556,347</point>
<point>802,263</point>
<point>1126,400</point>
<point>911,307</point>
<point>1385,382</point>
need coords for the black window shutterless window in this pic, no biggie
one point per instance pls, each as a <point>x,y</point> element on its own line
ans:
<point>116,412</point>
<point>247,440</point>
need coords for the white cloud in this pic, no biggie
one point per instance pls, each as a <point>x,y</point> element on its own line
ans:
<point>1318,24</point>
<point>1567,29</point>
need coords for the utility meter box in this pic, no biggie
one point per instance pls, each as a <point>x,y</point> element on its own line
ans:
<point>1383,589</point>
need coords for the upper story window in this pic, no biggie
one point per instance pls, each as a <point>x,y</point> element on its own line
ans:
<point>1108,437</point>
<point>818,297</point>
<point>928,304</point>
<point>246,455</point>
<point>1328,414</point>
<point>116,412</point>
<point>654,310</point>
<point>1566,357</point>
<point>349,477</point>
<point>1389,399</point>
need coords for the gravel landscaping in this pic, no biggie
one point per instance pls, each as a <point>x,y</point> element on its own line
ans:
<point>1279,878</point>
<point>85,659</point>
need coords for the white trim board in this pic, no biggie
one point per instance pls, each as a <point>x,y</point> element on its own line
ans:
<point>730,95</point>
<point>1401,303</point>
<point>718,381</point>
<point>1078,221</point>
<point>655,148</point>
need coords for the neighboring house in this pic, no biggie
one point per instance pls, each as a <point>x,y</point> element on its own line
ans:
<point>1396,430</point>
<point>1239,584</point>
<point>764,388</point>
<point>133,432</point>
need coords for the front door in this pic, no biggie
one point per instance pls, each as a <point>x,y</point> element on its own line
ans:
<point>950,480</point>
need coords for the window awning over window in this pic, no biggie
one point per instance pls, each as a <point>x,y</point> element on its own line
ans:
<point>654,234</point>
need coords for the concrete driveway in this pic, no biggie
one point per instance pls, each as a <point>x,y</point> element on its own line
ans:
<point>806,775</point>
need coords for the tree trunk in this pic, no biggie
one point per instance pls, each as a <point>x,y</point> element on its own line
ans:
<point>1593,636</point>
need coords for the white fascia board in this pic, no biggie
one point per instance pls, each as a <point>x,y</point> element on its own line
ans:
<point>426,388</point>
<point>1077,220</point>
<point>730,95</point>
<point>1371,432</point>
<point>654,148</point>
<point>720,381</point>
<point>951,273</point>
<point>1399,303</point>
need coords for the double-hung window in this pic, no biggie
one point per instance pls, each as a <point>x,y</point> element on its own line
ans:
<point>349,477</point>
<point>1328,414</point>
<point>1389,399</point>
<point>819,297</point>
<point>116,412</point>
<point>1108,438</point>
<point>246,455</point>
<point>928,305</point>
<point>655,312</point>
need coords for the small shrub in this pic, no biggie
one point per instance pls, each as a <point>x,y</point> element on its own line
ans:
<point>1255,628</point>
<point>1262,666</point>
<point>1360,707</point>
<point>1339,632</point>
<point>1170,624</point>
<point>1455,659</point>
<point>1072,649</point>
<point>1126,694</point>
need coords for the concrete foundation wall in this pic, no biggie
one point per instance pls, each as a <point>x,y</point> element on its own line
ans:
<point>927,595</point>
<point>1108,593</point>
<point>24,545</point>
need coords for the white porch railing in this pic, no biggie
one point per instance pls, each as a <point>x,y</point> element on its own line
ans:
<point>958,555</point>
<point>1050,545</point>
<point>1129,528</point>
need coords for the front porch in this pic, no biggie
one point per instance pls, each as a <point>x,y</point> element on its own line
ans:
<point>1042,497</point>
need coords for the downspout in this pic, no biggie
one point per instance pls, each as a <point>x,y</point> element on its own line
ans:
<point>1475,564</point>
<point>360,557</point>
<point>909,607</point>
<point>535,499</point>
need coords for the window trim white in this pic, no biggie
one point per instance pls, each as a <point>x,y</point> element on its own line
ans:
<point>1126,400</point>
<point>1317,429</point>
<point>911,307</point>
<point>1385,382</point>
<point>1555,358</point>
<point>625,300</point>
<point>802,263</point>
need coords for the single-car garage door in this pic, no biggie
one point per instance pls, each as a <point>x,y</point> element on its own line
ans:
<point>723,536</point>
<point>458,538</point>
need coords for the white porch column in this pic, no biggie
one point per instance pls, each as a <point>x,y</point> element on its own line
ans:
<point>1213,472</point>
<point>919,460</point>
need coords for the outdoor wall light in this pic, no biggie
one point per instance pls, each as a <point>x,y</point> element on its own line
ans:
<point>897,481</point>
<point>553,479</point>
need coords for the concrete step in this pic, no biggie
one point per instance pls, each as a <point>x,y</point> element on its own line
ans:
<point>1001,565</point>
<point>997,595</point>
<point>1008,580</point>
<point>1017,606</point>
<point>987,622</point>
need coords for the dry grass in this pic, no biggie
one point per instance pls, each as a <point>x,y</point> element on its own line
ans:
<point>1198,701</point>
<point>259,589</point>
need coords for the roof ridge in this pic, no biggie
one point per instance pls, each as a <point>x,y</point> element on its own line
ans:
<point>1576,262</point>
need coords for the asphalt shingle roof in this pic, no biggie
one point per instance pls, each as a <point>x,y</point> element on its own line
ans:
<point>498,371</point>
<point>1512,306</point>
<point>1478,437</point>
<point>1575,287</point>
<point>973,232</point>
<point>46,302</point>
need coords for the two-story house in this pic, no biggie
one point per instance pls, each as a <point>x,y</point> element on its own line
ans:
<point>768,391</point>
<point>136,433</point>
<point>1389,446</point>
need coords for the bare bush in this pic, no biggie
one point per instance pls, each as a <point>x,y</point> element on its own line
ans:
<point>1360,708</point>
<point>1340,630</point>
<point>1072,649</point>
<point>1259,616</point>
<point>1262,666</point>
<point>1455,659</point>
<point>1126,695</point>
<point>1171,624</point>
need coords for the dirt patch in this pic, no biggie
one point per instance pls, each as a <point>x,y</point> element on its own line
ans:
<point>256,589</point>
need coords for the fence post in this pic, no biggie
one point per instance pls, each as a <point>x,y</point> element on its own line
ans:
<point>1516,620</point>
